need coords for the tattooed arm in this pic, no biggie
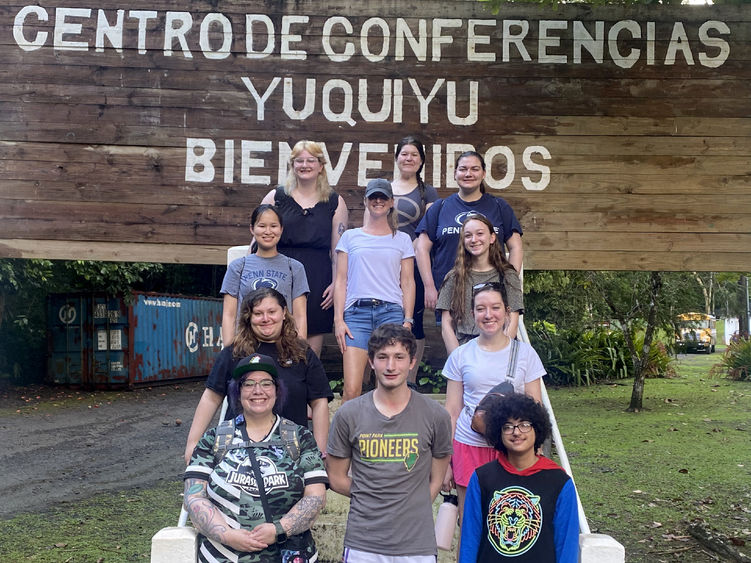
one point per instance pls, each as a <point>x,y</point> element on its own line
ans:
<point>299,518</point>
<point>303,514</point>
<point>211,523</point>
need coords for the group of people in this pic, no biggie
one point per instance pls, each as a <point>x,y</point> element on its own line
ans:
<point>255,484</point>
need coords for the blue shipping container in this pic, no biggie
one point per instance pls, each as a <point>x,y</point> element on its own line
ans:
<point>105,342</point>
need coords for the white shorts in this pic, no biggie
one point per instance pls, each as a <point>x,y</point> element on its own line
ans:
<point>357,556</point>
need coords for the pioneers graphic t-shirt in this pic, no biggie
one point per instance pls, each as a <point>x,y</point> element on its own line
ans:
<point>391,510</point>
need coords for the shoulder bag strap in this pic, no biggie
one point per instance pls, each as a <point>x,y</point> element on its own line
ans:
<point>513,360</point>
<point>259,482</point>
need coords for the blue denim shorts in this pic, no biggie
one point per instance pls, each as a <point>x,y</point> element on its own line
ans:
<point>363,320</point>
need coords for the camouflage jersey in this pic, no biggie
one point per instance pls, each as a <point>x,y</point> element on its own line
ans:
<point>232,488</point>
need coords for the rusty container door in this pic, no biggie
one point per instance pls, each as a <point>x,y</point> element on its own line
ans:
<point>172,337</point>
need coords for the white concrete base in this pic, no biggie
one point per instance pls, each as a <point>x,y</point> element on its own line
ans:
<point>600,548</point>
<point>174,545</point>
<point>235,252</point>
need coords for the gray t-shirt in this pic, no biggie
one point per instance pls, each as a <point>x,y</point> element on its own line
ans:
<point>391,511</point>
<point>252,272</point>
<point>513,294</point>
<point>410,208</point>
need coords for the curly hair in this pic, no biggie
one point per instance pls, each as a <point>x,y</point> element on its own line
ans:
<point>515,406</point>
<point>322,183</point>
<point>463,266</point>
<point>390,334</point>
<point>290,348</point>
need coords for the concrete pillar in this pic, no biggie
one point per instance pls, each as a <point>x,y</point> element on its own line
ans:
<point>174,545</point>
<point>600,548</point>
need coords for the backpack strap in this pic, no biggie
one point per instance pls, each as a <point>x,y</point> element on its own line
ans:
<point>225,431</point>
<point>291,440</point>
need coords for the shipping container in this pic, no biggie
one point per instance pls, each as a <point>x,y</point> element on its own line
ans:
<point>104,342</point>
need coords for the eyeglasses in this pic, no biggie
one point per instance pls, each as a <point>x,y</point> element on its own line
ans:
<point>378,195</point>
<point>523,427</point>
<point>265,384</point>
<point>308,161</point>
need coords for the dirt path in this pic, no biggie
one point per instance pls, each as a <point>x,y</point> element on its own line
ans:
<point>63,445</point>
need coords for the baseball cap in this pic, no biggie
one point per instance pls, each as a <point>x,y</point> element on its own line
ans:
<point>379,186</point>
<point>255,362</point>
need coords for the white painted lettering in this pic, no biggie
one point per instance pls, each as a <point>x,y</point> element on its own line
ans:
<point>64,27</point>
<point>223,22</point>
<point>517,39</point>
<point>471,117</point>
<point>532,166</point>
<point>546,41</point>
<point>288,38</point>
<point>229,161</point>
<point>310,99</point>
<point>198,155</point>
<point>349,48</point>
<point>247,148</point>
<point>260,100</point>
<point>363,164</point>
<point>629,60</point>
<point>175,27</point>
<point>474,39</point>
<point>113,32</point>
<point>345,115</point>
<point>335,172</point>
<point>679,42</point>
<point>250,22</point>
<point>381,24</point>
<point>418,45</point>
<point>143,17</point>
<point>18,24</point>
<point>362,101</point>
<point>438,40</point>
<point>714,42</point>
<point>584,41</point>
<point>424,101</point>
<point>508,155</point>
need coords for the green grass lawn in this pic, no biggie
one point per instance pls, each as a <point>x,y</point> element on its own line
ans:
<point>642,478</point>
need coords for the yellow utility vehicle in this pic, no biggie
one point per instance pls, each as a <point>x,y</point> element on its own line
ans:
<point>696,333</point>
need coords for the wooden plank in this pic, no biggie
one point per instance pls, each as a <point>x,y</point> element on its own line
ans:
<point>534,259</point>
<point>650,164</point>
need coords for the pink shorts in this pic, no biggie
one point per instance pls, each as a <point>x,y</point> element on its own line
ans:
<point>468,458</point>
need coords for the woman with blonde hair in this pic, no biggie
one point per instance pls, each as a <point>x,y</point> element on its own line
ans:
<point>375,282</point>
<point>315,217</point>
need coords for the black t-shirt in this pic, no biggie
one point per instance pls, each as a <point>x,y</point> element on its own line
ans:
<point>303,382</point>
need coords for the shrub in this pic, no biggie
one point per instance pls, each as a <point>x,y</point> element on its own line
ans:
<point>583,357</point>
<point>736,362</point>
<point>580,357</point>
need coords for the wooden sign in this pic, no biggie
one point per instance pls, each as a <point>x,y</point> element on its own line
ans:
<point>149,131</point>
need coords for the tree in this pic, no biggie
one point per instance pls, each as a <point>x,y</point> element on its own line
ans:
<point>640,304</point>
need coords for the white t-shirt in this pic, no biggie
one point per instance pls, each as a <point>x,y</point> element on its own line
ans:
<point>374,264</point>
<point>479,372</point>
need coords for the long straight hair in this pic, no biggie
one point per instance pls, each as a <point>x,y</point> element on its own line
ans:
<point>463,266</point>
